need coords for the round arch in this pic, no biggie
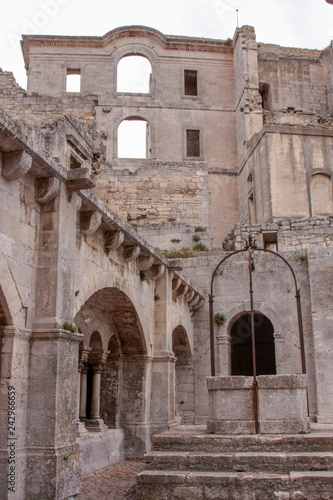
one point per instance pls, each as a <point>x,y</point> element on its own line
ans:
<point>135,50</point>
<point>224,335</point>
<point>8,288</point>
<point>184,376</point>
<point>125,317</point>
<point>241,346</point>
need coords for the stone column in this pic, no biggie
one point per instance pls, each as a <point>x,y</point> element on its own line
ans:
<point>82,390</point>
<point>95,423</point>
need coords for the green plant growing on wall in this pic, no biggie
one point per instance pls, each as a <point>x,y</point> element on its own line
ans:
<point>77,293</point>
<point>228,246</point>
<point>182,253</point>
<point>70,326</point>
<point>175,240</point>
<point>302,257</point>
<point>219,319</point>
<point>144,275</point>
<point>219,272</point>
<point>107,250</point>
<point>200,229</point>
<point>196,237</point>
<point>200,247</point>
<point>156,295</point>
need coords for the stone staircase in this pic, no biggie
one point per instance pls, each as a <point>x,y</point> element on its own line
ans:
<point>188,463</point>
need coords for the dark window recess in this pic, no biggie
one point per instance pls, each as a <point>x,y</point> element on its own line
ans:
<point>241,346</point>
<point>193,143</point>
<point>270,241</point>
<point>191,82</point>
<point>74,163</point>
<point>265,92</point>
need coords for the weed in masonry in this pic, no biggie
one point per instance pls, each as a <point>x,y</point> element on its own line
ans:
<point>219,319</point>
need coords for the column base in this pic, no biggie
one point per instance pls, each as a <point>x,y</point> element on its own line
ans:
<point>95,425</point>
<point>80,428</point>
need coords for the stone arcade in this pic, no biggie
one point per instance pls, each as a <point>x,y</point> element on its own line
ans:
<point>106,263</point>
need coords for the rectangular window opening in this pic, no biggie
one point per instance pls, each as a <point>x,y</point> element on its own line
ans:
<point>191,82</point>
<point>270,241</point>
<point>193,143</point>
<point>73,80</point>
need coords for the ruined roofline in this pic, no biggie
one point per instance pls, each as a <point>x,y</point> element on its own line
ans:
<point>165,41</point>
<point>273,51</point>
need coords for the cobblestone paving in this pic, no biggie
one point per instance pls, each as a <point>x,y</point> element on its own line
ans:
<point>116,483</point>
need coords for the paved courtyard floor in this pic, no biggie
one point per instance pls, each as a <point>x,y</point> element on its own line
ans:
<point>116,483</point>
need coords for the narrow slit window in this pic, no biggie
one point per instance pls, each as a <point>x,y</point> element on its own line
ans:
<point>73,80</point>
<point>191,82</point>
<point>193,143</point>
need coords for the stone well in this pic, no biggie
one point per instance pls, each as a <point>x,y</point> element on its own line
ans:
<point>282,405</point>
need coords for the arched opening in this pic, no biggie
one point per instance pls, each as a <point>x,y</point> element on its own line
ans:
<point>184,376</point>
<point>93,374</point>
<point>321,193</point>
<point>265,92</point>
<point>134,138</point>
<point>110,384</point>
<point>241,346</point>
<point>134,74</point>
<point>114,373</point>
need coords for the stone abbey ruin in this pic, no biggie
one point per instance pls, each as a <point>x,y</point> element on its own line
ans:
<point>106,266</point>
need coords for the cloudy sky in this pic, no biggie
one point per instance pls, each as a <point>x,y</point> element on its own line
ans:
<point>297,23</point>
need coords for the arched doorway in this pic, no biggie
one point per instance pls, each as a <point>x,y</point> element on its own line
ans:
<point>184,392</point>
<point>241,346</point>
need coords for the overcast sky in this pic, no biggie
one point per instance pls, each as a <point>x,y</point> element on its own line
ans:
<point>297,23</point>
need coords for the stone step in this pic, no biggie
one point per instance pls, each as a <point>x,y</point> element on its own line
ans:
<point>239,461</point>
<point>194,485</point>
<point>199,441</point>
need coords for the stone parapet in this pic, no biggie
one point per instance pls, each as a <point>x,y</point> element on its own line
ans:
<point>282,404</point>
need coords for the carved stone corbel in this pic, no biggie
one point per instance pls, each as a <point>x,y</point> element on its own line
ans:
<point>198,305</point>
<point>145,262</point>
<point>47,189</point>
<point>131,252</point>
<point>114,239</point>
<point>15,164</point>
<point>189,296</point>
<point>90,221</point>
<point>176,282</point>
<point>182,291</point>
<point>157,271</point>
<point>194,301</point>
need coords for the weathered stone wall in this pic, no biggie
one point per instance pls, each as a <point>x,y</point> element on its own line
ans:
<point>292,234</point>
<point>283,162</point>
<point>37,109</point>
<point>158,192</point>
<point>296,77</point>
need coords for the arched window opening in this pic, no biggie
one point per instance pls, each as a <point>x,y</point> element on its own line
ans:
<point>184,375</point>
<point>241,346</point>
<point>134,75</point>
<point>265,92</point>
<point>321,192</point>
<point>134,139</point>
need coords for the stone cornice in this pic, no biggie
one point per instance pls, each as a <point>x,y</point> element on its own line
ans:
<point>170,42</point>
